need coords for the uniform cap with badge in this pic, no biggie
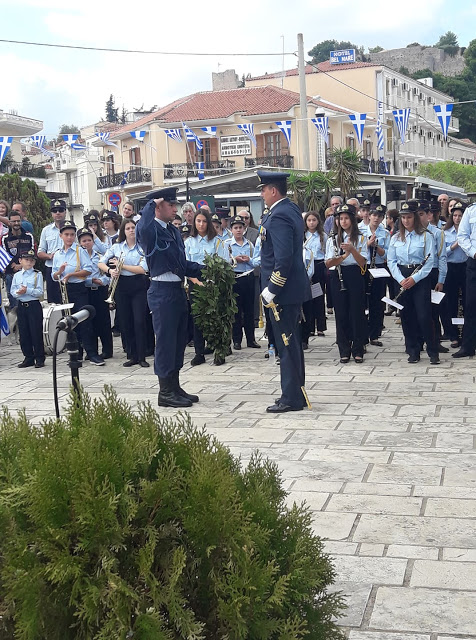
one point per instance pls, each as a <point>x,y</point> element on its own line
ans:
<point>380,209</point>
<point>108,215</point>
<point>410,206</point>
<point>169,194</point>
<point>349,209</point>
<point>458,206</point>
<point>29,254</point>
<point>237,220</point>
<point>272,177</point>
<point>222,212</point>
<point>57,206</point>
<point>67,224</point>
<point>435,206</point>
<point>365,204</point>
<point>84,231</point>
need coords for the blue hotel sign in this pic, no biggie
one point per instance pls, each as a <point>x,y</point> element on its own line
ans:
<point>344,56</point>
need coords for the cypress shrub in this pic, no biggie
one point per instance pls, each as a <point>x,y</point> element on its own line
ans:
<point>123,525</point>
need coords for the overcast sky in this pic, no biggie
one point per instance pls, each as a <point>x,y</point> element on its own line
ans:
<point>60,86</point>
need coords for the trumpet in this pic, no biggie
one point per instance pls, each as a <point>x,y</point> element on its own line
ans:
<point>337,253</point>
<point>114,280</point>
<point>64,296</point>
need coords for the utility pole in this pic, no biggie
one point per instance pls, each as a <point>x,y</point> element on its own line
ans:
<point>303,105</point>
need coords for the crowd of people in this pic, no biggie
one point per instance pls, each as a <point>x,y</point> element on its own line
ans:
<point>355,257</point>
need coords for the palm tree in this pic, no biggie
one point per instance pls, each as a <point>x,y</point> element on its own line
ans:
<point>346,164</point>
<point>311,190</point>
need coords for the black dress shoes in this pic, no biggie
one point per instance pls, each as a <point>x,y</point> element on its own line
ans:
<point>413,359</point>
<point>462,354</point>
<point>278,407</point>
<point>198,359</point>
<point>144,364</point>
<point>26,363</point>
<point>237,346</point>
<point>376,343</point>
<point>442,349</point>
<point>253,345</point>
<point>434,360</point>
<point>130,363</point>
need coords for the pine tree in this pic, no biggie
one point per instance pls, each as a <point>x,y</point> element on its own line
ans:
<point>111,110</point>
<point>13,188</point>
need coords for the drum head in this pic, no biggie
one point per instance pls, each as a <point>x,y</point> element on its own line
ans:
<point>51,316</point>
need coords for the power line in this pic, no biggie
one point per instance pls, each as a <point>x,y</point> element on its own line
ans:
<point>141,51</point>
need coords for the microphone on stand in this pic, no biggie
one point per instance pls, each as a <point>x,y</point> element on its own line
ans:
<point>68,323</point>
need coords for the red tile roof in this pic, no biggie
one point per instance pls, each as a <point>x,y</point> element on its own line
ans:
<point>212,105</point>
<point>318,68</point>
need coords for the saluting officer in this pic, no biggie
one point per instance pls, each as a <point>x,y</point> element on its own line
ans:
<point>284,282</point>
<point>164,250</point>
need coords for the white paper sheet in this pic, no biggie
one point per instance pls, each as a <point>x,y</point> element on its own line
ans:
<point>379,273</point>
<point>316,290</point>
<point>392,303</point>
<point>457,320</point>
<point>437,296</point>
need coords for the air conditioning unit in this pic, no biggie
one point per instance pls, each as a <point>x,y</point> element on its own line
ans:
<point>414,128</point>
<point>102,158</point>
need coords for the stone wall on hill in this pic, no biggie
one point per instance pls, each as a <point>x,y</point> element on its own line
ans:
<point>419,57</point>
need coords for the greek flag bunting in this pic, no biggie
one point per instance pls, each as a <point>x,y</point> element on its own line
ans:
<point>248,130</point>
<point>104,137</point>
<point>401,118</point>
<point>212,131</point>
<point>38,141</point>
<point>174,134</point>
<point>5,259</point>
<point>4,326</point>
<point>322,125</point>
<point>285,126</point>
<point>200,172</point>
<point>379,128</point>
<point>443,113</point>
<point>5,144</point>
<point>70,138</point>
<point>358,122</point>
<point>190,135</point>
<point>138,135</point>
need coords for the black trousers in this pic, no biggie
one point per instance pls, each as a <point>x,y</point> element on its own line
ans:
<point>244,288</point>
<point>52,287</point>
<point>30,327</point>
<point>291,355</point>
<point>376,291</point>
<point>435,308</point>
<point>77,293</point>
<point>469,328</point>
<point>329,302</point>
<point>169,308</point>
<point>102,319</point>
<point>269,329</point>
<point>131,306</point>
<point>349,307</point>
<point>315,310</point>
<point>454,283</point>
<point>416,316</point>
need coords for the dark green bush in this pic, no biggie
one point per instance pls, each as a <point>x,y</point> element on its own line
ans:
<point>115,525</point>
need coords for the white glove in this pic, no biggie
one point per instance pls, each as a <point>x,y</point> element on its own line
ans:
<point>267,295</point>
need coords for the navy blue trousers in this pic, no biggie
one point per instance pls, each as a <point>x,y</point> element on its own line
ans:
<point>168,305</point>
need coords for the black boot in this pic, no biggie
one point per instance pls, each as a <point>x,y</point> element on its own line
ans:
<point>178,389</point>
<point>168,397</point>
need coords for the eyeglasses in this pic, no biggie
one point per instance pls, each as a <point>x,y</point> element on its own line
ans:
<point>61,210</point>
<point>245,217</point>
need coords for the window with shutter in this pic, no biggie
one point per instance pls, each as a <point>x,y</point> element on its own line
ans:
<point>260,146</point>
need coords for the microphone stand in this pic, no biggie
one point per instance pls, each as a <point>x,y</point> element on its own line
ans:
<point>74,363</point>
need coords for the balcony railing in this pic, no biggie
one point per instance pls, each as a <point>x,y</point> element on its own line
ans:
<point>24,169</point>
<point>188,169</point>
<point>375,166</point>
<point>134,176</point>
<point>286,162</point>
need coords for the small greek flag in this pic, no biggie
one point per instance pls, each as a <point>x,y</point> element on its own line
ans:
<point>401,118</point>
<point>70,138</point>
<point>358,122</point>
<point>5,144</point>
<point>322,124</point>
<point>38,141</point>
<point>4,326</point>
<point>285,126</point>
<point>443,113</point>
<point>104,137</point>
<point>124,179</point>
<point>200,172</point>
<point>212,131</point>
<point>138,135</point>
<point>5,259</point>
<point>248,130</point>
<point>175,134</point>
<point>190,135</point>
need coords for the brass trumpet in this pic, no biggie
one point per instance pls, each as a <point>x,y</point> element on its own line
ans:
<point>114,280</point>
<point>64,296</point>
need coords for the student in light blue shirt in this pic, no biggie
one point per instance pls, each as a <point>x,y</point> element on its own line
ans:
<point>314,310</point>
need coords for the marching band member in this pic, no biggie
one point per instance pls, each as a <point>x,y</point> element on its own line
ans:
<point>50,242</point>
<point>378,241</point>
<point>203,240</point>
<point>91,221</point>
<point>347,252</point>
<point>27,288</point>
<point>456,275</point>
<point>410,259</point>
<point>110,225</point>
<point>467,242</point>
<point>242,251</point>
<point>72,265</point>
<point>314,310</point>
<point>223,214</point>
<point>364,214</point>
<point>97,288</point>
<point>131,293</point>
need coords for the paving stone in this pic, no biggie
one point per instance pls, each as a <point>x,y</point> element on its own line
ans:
<point>315,501</point>
<point>334,526</point>
<point>411,551</point>
<point>334,547</point>
<point>402,473</point>
<point>450,507</point>
<point>368,549</point>
<point>356,598</point>
<point>322,486</point>
<point>374,488</point>
<point>460,477</point>
<point>346,457</point>
<point>374,504</point>
<point>424,610</point>
<point>376,635</point>
<point>444,575</point>
<point>367,569</point>
<point>400,440</point>
<point>460,555</point>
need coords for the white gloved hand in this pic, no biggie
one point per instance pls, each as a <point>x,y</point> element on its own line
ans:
<point>267,295</point>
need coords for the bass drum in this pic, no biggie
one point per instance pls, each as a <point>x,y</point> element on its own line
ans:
<point>52,314</point>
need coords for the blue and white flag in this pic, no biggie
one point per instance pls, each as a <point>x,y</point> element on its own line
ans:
<point>248,130</point>
<point>322,125</point>
<point>401,118</point>
<point>443,113</point>
<point>4,326</point>
<point>70,138</point>
<point>285,126</point>
<point>175,134</point>
<point>138,135</point>
<point>190,135</point>
<point>38,141</point>
<point>104,137</point>
<point>379,128</point>
<point>5,259</point>
<point>5,144</point>
<point>358,122</point>
<point>200,172</point>
<point>124,179</point>
<point>212,131</point>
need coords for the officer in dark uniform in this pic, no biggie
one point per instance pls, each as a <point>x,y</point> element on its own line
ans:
<point>284,282</point>
<point>164,250</point>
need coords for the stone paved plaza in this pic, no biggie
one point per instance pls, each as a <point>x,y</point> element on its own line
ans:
<point>385,459</point>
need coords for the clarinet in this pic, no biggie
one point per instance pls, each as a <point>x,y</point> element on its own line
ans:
<point>415,271</point>
<point>373,250</point>
<point>337,253</point>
